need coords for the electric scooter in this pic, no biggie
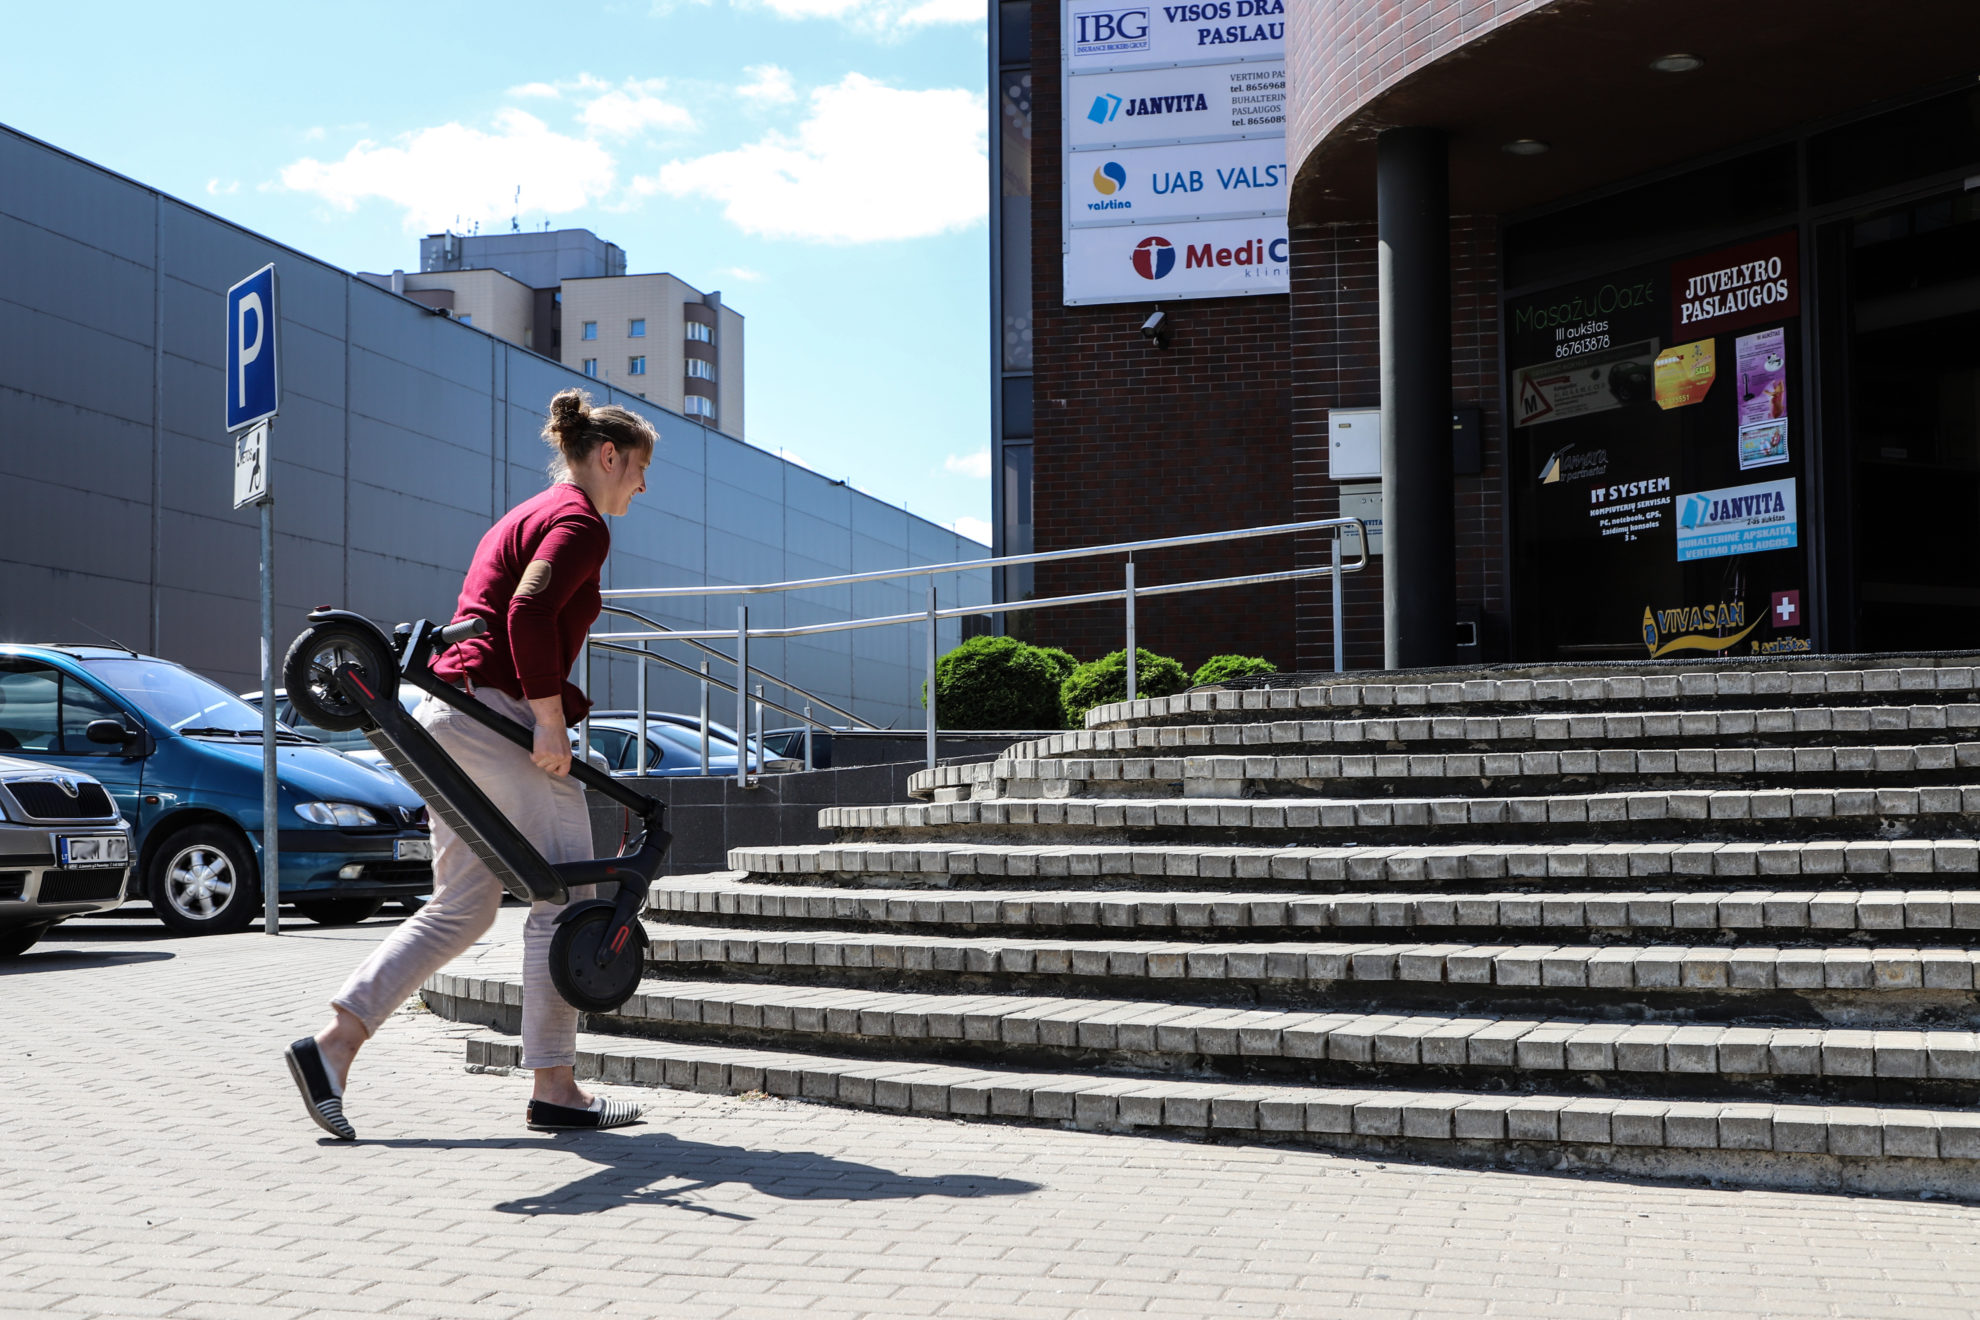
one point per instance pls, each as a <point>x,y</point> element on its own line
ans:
<point>343,673</point>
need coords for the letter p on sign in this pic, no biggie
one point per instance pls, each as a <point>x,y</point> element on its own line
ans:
<point>253,379</point>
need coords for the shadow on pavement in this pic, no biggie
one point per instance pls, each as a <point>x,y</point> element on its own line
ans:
<point>42,958</point>
<point>633,1165</point>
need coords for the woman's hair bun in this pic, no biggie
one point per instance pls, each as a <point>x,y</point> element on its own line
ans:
<point>569,411</point>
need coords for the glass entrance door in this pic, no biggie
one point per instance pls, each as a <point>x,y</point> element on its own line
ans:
<point>1911,482</point>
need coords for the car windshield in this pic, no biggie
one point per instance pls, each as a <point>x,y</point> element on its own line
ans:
<point>178,698</point>
<point>348,740</point>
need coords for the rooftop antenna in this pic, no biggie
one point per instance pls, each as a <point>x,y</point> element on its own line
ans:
<point>515,220</point>
<point>104,635</point>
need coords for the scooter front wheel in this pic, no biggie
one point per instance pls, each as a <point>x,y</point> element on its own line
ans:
<point>574,967</point>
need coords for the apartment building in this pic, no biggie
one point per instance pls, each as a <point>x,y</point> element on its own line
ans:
<point>565,294</point>
<point>655,336</point>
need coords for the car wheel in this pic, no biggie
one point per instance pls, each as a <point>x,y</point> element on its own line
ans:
<point>15,942</point>
<point>203,881</point>
<point>340,911</point>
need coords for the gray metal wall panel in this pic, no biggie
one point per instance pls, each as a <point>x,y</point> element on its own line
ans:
<point>402,435</point>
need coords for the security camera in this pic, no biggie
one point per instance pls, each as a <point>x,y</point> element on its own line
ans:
<point>1156,329</point>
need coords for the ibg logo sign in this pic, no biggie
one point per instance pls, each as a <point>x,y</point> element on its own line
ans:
<point>1105,107</point>
<point>1153,257</point>
<point>1117,30</point>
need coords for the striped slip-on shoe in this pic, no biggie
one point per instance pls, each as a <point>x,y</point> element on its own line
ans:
<point>324,1099</point>
<point>604,1113</point>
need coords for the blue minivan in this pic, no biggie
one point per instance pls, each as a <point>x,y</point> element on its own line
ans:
<point>186,774</point>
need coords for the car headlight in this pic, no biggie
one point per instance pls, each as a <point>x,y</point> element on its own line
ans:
<point>347,815</point>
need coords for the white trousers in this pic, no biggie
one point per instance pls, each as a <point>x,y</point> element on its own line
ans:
<point>550,811</point>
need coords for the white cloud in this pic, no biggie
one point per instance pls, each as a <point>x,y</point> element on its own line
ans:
<point>975,466</point>
<point>633,108</point>
<point>768,85</point>
<point>215,188</point>
<point>544,90</point>
<point>976,529</point>
<point>743,273</point>
<point>878,16</point>
<point>870,163</point>
<point>437,174</point>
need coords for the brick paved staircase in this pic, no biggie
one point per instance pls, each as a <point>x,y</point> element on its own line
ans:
<point>1685,919</point>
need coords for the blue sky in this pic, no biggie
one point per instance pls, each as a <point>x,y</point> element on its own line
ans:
<point>819,161</point>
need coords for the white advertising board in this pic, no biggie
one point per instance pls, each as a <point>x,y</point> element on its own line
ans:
<point>1174,149</point>
<point>1192,259</point>
<point>1176,105</point>
<point>1141,185</point>
<point>1103,34</point>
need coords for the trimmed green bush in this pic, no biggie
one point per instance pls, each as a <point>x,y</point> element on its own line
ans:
<point>998,683</point>
<point>1098,682</point>
<point>1224,668</point>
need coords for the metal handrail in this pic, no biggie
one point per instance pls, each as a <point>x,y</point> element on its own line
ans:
<point>964,565</point>
<point>1129,593</point>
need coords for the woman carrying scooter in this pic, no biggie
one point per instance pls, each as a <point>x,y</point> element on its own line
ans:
<point>535,581</point>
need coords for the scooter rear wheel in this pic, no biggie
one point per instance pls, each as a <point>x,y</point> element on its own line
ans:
<point>574,967</point>
<point>308,673</point>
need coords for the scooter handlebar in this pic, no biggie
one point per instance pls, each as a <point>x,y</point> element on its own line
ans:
<point>459,632</point>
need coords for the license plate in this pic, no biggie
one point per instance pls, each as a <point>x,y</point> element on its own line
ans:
<point>92,849</point>
<point>413,850</point>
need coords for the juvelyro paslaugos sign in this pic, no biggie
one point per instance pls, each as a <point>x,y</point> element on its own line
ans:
<point>1736,287</point>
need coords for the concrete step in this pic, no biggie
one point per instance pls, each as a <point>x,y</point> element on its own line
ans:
<point>1864,1148</point>
<point>1708,726</point>
<point>1951,680</point>
<point>1735,810</point>
<point>1851,978</point>
<point>1232,776</point>
<point>1170,1039</point>
<point>1785,913</point>
<point>943,863</point>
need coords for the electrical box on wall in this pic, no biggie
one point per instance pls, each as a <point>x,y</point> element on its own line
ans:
<point>1354,444</point>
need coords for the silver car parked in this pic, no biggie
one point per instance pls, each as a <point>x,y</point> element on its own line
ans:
<point>64,851</point>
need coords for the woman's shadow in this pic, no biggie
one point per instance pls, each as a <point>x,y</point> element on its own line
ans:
<point>634,1166</point>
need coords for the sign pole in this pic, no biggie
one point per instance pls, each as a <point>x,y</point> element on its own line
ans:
<point>254,395</point>
<point>271,828</point>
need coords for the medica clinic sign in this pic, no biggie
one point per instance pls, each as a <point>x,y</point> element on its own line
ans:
<point>1174,148</point>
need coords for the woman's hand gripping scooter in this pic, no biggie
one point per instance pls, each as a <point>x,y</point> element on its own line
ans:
<point>344,673</point>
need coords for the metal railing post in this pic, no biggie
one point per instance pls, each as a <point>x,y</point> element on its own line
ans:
<point>639,764</point>
<point>704,717</point>
<point>807,738</point>
<point>1340,645</point>
<point>933,646</point>
<point>1129,598</point>
<point>742,696</point>
<point>584,686</point>
<point>762,752</point>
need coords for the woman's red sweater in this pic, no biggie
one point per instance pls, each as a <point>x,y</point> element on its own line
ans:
<point>532,641</point>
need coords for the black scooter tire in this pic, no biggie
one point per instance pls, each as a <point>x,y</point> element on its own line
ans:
<point>574,968</point>
<point>307,673</point>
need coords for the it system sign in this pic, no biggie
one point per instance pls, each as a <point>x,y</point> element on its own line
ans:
<point>1174,155</point>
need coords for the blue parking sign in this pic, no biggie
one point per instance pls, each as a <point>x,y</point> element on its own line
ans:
<point>253,378</point>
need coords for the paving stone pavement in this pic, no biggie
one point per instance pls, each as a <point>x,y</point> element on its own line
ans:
<point>155,1161</point>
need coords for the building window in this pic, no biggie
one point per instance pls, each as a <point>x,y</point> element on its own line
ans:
<point>637,330</point>
<point>699,333</point>
<point>699,405</point>
<point>700,370</point>
<point>591,330</point>
<point>636,366</point>
<point>591,366</point>
<point>465,319</point>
